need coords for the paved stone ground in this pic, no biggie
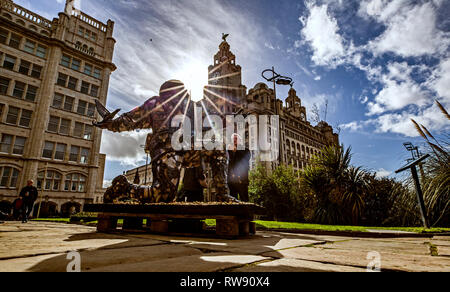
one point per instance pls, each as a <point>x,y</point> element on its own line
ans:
<point>39,246</point>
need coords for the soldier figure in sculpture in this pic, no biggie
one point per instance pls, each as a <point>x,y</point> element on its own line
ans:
<point>156,114</point>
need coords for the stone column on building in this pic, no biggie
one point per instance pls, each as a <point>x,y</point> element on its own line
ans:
<point>41,113</point>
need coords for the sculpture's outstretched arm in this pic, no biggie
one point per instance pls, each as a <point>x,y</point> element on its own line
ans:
<point>128,121</point>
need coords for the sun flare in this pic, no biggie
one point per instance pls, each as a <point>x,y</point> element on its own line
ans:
<point>194,75</point>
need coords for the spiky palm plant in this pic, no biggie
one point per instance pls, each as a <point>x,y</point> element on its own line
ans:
<point>337,187</point>
<point>436,183</point>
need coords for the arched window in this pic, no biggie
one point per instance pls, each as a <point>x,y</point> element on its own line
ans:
<point>7,16</point>
<point>75,183</point>
<point>8,177</point>
<point>49,180</point>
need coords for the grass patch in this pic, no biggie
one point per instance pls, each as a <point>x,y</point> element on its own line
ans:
<point>261,225</point>
<point>305,226</point>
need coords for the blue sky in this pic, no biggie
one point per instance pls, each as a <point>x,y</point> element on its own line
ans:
<point>377,62</point>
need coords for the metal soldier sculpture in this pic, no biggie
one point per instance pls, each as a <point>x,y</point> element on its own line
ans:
<point>156,114</point>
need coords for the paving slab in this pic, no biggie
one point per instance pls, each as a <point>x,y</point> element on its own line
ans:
<point>24,264</point>
<point>399,247</point>
<point>104,259</point>
<point>443,250</point>
<point>440,242</point>
<point>211,262</point>
<point>358,258</point>
<point>43,246</point>
<point>295,265</point>
<point>35,239</point>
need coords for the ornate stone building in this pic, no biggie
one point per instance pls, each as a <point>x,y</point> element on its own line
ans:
<point>51,73</point>
<point>298,140</point>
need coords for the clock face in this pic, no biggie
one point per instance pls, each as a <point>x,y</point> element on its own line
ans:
<point>214,80</point>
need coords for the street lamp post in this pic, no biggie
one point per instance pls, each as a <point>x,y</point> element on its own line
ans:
<point>280,80</point>
<point>412,166</point>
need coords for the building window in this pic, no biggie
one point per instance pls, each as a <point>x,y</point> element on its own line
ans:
<point>91,110</point>
<point>68,103</point>
<point>65,127</point>
<point>60,151</point>
<point>94,37</point>
<point>36,71</point>
<point>88,132</point>
<point>19,89</point>
<point>19,145</point>
<point>41,52</point>
<point>13,115</point>
<point>76,64</point>
<point>15,41</point>
<point>9,177</point>
<point>57,100</point>
<point>5,146</point>
<point>72,83</point>
<point>62,79</point>
<point>82,105</point>
<point>74,151</point>
<point>94,91</point>
<point>87,69</point>
<point>29,46</point>
<point>84,87</point>
<point>49,180</point>
<point>48,150</point>
<point>84,156</point>
<point>4,84</point>
<point>31,93</point>
<point>75,183</point>
<point>78,130</point>
<point>65,61</point>
<point>9,62</point>
<point>24,67</point>
<point>3,35</point>
<point>97,73</point>
<point>25,118</point>
<point>2,107</point>
<point>81,31</point>
<point>53,124</point>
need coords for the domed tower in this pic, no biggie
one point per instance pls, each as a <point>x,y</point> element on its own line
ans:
<point>294,105</point>
<point>225,89</point>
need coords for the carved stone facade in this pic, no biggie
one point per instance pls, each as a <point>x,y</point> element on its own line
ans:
<point>299,140</point>
<point>51,72</point>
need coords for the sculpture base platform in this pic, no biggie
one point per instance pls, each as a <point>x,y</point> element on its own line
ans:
<point>233,220</point>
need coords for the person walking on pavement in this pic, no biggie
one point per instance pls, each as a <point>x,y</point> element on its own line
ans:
<point>29,195</point>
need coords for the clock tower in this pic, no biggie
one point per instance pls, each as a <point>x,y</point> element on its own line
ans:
<point>225,89</point>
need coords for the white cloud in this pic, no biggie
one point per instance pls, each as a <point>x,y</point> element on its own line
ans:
<point>411,29</point>
<point>440,80</point>
<point>396,96</point>
<point>321,31</point>
<point>364,99</point>
<point>353,126</point>
<point>400,123</point>
<point>381,173</point>
<point>125,148</point>
<point>107,183</point>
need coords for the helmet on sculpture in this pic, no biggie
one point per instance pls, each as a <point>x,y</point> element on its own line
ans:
<point>173,94</point>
